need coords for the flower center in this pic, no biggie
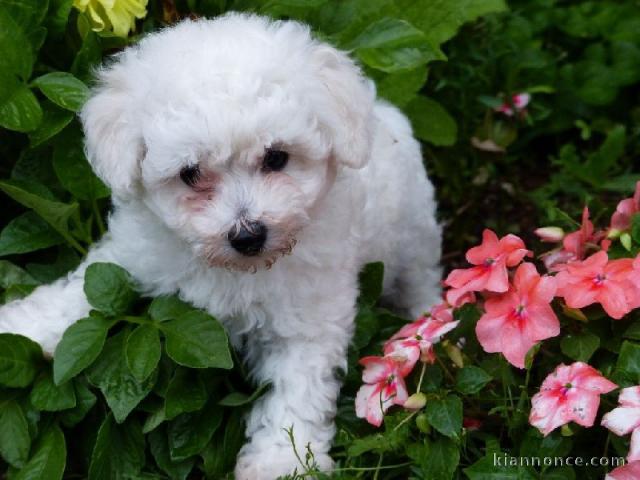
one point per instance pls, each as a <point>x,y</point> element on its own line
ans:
<point>599,279</point>
<point>565,389</point>
<point>489,261</point>
<point>390,379</point>
<point>418,337</point>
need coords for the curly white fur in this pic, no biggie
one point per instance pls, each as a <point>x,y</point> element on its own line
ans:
<point>217,93</point>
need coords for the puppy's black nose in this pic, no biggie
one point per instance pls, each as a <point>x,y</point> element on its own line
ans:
<point>248,238</point>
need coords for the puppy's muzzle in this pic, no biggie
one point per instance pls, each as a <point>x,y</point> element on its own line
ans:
<point>248,237</point>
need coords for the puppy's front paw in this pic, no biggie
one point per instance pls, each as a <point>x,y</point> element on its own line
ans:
<point>273,463</point>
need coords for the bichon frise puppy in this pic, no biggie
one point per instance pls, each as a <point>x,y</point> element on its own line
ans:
<point>254,173</point>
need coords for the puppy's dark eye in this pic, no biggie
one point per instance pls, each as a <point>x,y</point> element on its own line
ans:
<point>190,174</point>
<point>274,160</point>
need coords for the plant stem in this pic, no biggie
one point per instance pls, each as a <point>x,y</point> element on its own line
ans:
<point>378,467</point>
<point>98,215</point>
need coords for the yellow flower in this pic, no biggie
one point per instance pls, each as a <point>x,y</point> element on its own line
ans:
<point>116,15</point>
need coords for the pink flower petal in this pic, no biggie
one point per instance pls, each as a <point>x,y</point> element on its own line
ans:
<point>630,471</point>
<point>634,448</point>
<point>622,420</point>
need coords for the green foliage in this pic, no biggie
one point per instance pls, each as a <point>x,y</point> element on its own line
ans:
<point>148,388</point>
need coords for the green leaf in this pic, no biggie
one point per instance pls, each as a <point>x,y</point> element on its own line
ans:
<point>628,363</point>
<point>437,459</point>
<point>53,122</point>
<point>11,275</point>
<point>85,400</point>
<point>118,453</point>
<point>46,396</point>
<point>159,446</point>
<point>21,111</point>
<point>197,340</point>
<point>470,379</point>
<point>49,457</point>
<point>20,360</point>
<point>143,351</point>
<point>370,281</point>
<point>17,52</point>
<point>55,213</point>
<point>63,89</point>
<point>388,32</point>
<point>118,385</point>
<point>431,122</point>
<point>190,432</point>
<point>73,170</point>
<point>401,87</point>
<point>635,228</point>
<point>14,433</point>
<point>27,233</point>
<point>396,59</point>
<point>238,399</point>
<point>168,308</point>
<point>445,415</point>
<point>109,288</point>
<point>186,393</point>
<point>80,345</point>
<point>492,467</point>
<point>580,346</point>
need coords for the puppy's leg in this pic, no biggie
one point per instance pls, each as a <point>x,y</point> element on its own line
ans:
<point>302,370</point>
<point>45,314</point>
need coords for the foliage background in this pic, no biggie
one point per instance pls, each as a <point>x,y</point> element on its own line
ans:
<point>447,64</point>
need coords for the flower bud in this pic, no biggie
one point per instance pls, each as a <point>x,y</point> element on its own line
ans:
<point>423,424</point>
<point>416,401</point>
<point>454,353</point>
<point>550,234</point>
<point>625,240</point>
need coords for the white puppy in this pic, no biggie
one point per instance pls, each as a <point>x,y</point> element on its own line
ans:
<point>253,173</point>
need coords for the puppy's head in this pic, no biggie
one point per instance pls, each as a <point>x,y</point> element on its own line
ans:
<point>231,131</point>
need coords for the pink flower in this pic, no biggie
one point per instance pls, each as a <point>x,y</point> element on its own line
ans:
<point>570,393</point>
<point>596,280</point>
<point>384,386</point>
<point>574,245</point>
<point>630,471</point>
<point>626,419</point>
<point>518,103</point>
<point>415,341</point>
<point>515,321</point>
<point>621,219</point>
<point>491,259</point>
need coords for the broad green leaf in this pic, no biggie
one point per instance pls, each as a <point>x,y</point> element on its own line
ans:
<point>186,393</point>
<point>471,379</point>
<point>197,340</point>
<point>20,360</point>
<point>55,213</point>
<point>495,467</point>
<point>48,397</point>
<point>401,87</point>
<point>580,346</point>
<point>445,415</point>
<point>218,460</point>
<point>27,233</point>
<point>237,399</point>
<point>73,170</point>
<point>190,432</point>
<point>56,20</point>
<point>17,53</point>
<point>118,453</point>
<point>159,446</point>
<point>63,89</point>
<point>109,288</point>
<point>80,345</point>
<point>370,282</point>
<point>440,19</point>
<point>397,59</point>
<point>28,14</point>
<point>14,433</point>
<point>628,364</point>
<point>48,459</point>
<point>11,275</point>
<point>21,111</point>
<point>85,400</point>
<point>54,119</point>
<point>143,351</point>
<point>388,32</point>
<point>168,308</point>
<point>431,122</point>
<point>437,459</point>
<point>118,385</point>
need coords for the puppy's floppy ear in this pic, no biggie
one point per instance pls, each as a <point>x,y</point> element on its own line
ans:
<point>349,116</point>
<point>113,139</point>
